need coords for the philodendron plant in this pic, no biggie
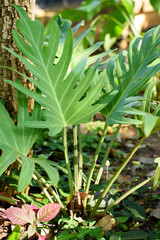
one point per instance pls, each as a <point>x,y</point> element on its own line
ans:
<point>70,92</point>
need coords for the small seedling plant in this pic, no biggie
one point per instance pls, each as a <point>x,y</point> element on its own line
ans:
<point>70,88</point>
<point>32,216</point>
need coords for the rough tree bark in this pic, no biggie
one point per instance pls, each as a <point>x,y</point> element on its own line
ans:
<point>8,18</point>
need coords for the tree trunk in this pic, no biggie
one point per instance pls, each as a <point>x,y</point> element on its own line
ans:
<point>8,18</point>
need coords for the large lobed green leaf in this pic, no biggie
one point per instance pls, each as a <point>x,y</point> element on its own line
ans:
<point>143,62</point>
<point>16,141</point>
<point>77,53</point>
<point>65,101</point>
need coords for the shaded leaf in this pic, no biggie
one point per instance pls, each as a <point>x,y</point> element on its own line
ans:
<point>94,232</point>
<point>66,235</point>
<point>134,235</point>
<point>136,209</point>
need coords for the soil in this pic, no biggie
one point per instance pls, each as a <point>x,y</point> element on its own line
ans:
<point>5,229</point>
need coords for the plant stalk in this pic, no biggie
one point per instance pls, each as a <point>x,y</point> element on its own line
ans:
<point>95,160</point>
<point>106,155</point>
<point>41,183</point>
<point>67,161</point>
<point>127,194</point>
<point>54,194</point>
<point>80,156</point>
<point>105,159</point>
<point>44,189</point>
<point>75,152</point>
<point>113,179</point>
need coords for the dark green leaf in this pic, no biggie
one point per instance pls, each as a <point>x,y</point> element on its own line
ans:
<point>134,235</point>
<point>136,209</point>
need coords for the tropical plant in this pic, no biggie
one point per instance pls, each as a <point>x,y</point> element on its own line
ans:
<point>68,95</point>
<point>119,14</point>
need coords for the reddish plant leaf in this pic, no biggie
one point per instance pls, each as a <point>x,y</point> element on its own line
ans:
<point>2,215</point>
<point>31,230</point>
<point>17,215</point>
<point>32,216</point>
<point>32,207</point>
<point>40,237</point>
<point>47,212</point>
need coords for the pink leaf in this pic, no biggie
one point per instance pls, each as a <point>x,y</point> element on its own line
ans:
<point>2,215</point>
<point>32,207</point>
<point>40,237</point>
<point>31,216</point>
<point>47,212</point>
<point>17,215</point>
<point>31,230</point>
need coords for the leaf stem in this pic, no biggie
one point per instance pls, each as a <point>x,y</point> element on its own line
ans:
<point>54,194</point>
<point>94,161</point>
<point>105,158</point>
<point>44,189</point>
<point>127,194</point>
<point>67,161</point>
<point>106,155</point>
<point>115,176</point>
<point>40,181</point>
<point>80,156</point>
<point>75,153</point>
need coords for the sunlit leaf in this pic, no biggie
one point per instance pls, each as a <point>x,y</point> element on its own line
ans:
<point>48,212</point>
<point>130,78</point>
<point>17,215</point>
<point>64,101</point>
<point>31,230</point>
<point>15,233</point>
<point>156,5</point>
<point>18,140</point>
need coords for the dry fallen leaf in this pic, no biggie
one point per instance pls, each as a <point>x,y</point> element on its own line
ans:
<point>84,195</point>
<point>155,213</point>
<point>107,223</point>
